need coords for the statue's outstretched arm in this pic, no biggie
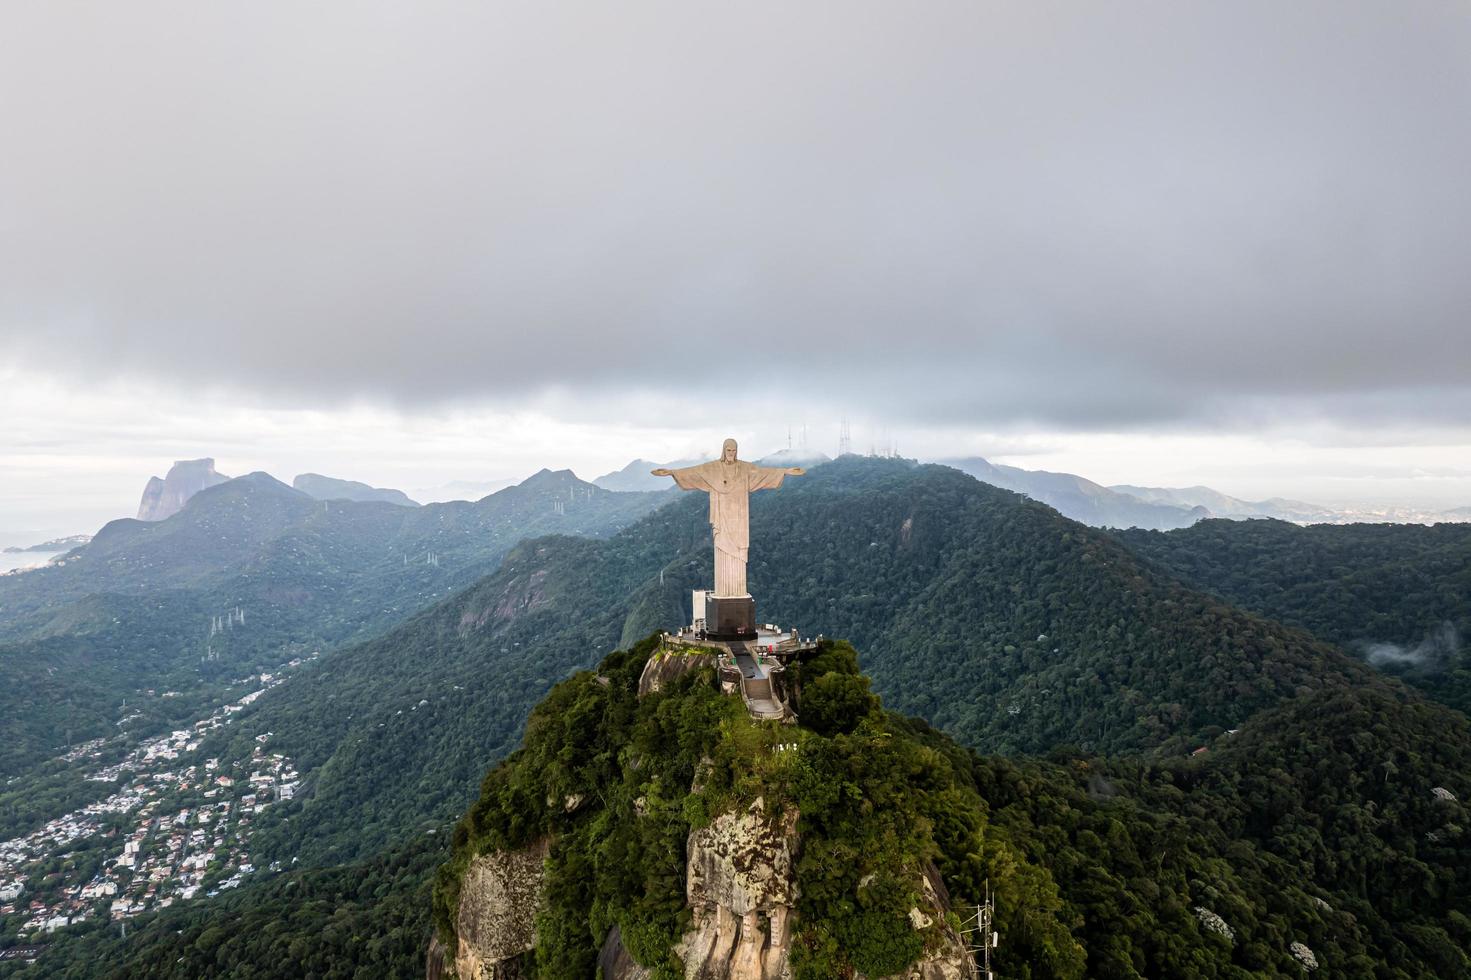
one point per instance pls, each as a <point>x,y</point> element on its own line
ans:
<point>770,477</point>
<point>687,478</point>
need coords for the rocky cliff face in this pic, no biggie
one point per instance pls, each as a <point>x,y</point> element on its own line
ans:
<point>165,498</point>
<point>679,836</point>
<point>661,671</point>
<point>500,895</point>
<point>741,888</point>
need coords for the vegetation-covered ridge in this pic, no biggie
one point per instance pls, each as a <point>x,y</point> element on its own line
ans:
<point>1398,595</point>
<point>645,772</point>
<point>249,575</point>
<point>1325,834</point>
<point>989,615</point>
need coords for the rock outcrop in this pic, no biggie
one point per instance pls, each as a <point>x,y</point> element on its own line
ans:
<point>947,957</point>
<point>668,666</point>
<point>615,962</point>
<point>500,895</point>
<point>165,498</point>
<point>741,887</point>
<point>330,488</point>
<point>738,874</point>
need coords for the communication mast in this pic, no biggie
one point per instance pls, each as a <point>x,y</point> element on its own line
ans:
<point>845,439</point>
<point>981,935</point>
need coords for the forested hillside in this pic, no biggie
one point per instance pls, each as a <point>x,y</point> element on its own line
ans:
<point>1013,628</point>
<point>248,575</point>
<point>1398,595</point>
<point>1328,816</point>
<point>1326,830</point>
<point>366,919</point>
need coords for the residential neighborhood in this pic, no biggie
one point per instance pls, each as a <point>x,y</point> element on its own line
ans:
<point>177,826</point>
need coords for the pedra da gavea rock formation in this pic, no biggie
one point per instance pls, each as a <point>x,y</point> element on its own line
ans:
<point>165,498</point>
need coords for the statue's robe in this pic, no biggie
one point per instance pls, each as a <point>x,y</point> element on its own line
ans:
<point>730,486</point>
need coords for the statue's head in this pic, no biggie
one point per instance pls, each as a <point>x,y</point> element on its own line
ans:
<point>728,451</point>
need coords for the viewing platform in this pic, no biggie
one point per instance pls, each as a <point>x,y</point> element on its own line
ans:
<point>755,667</point>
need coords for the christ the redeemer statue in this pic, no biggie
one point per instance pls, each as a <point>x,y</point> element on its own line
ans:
<point>730,483</point>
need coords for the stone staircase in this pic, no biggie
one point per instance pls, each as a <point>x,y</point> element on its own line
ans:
<point>756,692</point>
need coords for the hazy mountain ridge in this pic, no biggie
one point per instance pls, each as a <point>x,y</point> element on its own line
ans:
<point>636,476</point>
<point>1081,499</point>
<point>1165,509</point>
<point>308,575</point>
<point>331,488</point>
<point>56,544</point>
<point>1224,505</point>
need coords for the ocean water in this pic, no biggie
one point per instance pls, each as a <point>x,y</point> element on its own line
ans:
<point>24,559</point>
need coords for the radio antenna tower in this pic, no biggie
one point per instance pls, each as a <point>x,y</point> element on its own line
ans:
<point>845,439</point>
<point>981,935</point>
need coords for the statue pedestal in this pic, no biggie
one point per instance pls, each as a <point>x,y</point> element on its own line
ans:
<point>730,617</point>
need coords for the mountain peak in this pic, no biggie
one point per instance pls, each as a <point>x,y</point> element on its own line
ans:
<point>165,497</point>
<point>544,478</point>
<point>636,476</point>
<point>331,488</point>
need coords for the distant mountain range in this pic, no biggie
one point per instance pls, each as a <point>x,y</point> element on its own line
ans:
<point>462,490</point>
<point>1224,505</point>
<point>636,476</point>
<point>1081,499</point>
<point>1072,496</point>
<point>133,608</point>
<point>56,544</point>
<point>330,488</point>
<point>1117,506</point>
<point>1167,509</point>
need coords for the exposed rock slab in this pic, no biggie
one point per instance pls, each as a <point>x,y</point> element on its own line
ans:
<point>740,884</point>
<point>661,671</point>
<point>500,895</point>
<point>616,963</point>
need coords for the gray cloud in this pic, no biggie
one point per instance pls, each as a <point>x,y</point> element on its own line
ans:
<point>1435,650</point>
<point>1076,213</point>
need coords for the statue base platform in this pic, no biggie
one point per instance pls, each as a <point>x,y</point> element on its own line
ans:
<point>730,617</point>
<point>754,668</point>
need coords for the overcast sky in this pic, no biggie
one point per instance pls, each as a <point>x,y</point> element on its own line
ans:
<point>1166,243</point>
